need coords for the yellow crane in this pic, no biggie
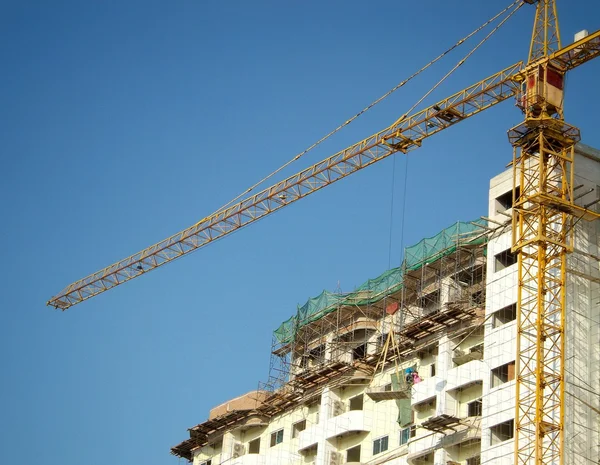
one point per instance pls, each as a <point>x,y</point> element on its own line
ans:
<point>544,212</point>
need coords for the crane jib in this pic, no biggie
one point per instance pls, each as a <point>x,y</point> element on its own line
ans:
<point>403,136</point>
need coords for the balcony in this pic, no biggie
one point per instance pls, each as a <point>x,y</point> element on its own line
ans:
<point>466,374</point>
<point>421,446</point>
<point>460,357</point>
<point>309,437</point>
<point>352,421</point>
<point>466,431</point>
<point>427,389</point>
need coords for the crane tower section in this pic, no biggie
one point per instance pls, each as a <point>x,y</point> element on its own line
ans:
<point>544,213</point>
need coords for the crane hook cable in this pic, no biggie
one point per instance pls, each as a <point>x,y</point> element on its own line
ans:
<point>371,105</point>
<point>460,63</point>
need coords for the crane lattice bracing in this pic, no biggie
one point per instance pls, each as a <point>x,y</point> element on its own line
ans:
<point>405,135</point>
<point>544,213</point>
<point>546,34</point>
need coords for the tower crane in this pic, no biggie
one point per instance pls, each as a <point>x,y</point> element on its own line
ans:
<point>544,212</point>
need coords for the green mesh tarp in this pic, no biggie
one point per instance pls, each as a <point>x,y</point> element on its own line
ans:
<point>373,290</point>
<point>440,245</point>
<point>405,416</point>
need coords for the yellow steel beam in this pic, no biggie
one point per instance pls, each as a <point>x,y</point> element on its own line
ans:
<point>545,38</point>
<point>407,134</point>
<point>544,212</point>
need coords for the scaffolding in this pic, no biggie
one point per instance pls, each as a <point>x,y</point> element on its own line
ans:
<point>337,339</point>
<point>440,284</point>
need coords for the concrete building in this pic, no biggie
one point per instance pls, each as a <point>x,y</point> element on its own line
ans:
<point>417,366</point>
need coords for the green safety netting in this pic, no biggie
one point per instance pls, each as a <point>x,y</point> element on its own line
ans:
<point>427,250</point>
<point>405,415</point>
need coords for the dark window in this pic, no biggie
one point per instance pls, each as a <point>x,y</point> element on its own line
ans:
<point>356,403</point>
<point>503,374</point>
<point>380,445</point>
<point>474,408</point>
<point>276,437</point>
<point>426,405</point>
<point>353,454</point>
<point>478,298</point>
<point>254,446</point>
<point>406,434</point>
<point>433,369</point>
<point>504,259</point>
<point>297,427</point>
<point>430,302</point>
<point>505,201</point>
<point>359,352</point>
<point>502,432</point>
<point>505,315</point>
<point>474,460</point>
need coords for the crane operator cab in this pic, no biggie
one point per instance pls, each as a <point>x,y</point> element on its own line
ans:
<point>542,92</point>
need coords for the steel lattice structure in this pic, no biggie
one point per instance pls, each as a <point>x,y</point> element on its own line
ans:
<point>404,136</point>
<point>544,212</point>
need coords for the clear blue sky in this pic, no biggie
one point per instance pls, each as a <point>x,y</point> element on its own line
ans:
<point>123,122</point>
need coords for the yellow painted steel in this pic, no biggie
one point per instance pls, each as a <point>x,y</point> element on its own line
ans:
<point>406,134</point>
<point>545,38</point>
<point>403,136</point>
<point>544,212</point>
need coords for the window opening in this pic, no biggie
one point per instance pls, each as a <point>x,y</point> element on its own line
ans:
<point>474,460</point>
<point>353,454</point>
<point>254,446</point>
<point>297,427</point>
<point>505,315</point>
<point>503,374</point>
<point>276,437</point>
<point>475,408</point>
<point>380,445</point>
<point>502,432</point>
<point>504,259</point>
<point>407,433</point>
<point>356,403</point>
<point>505,201</point>
<point>359,352</point>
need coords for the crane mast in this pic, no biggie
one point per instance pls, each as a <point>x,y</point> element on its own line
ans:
<point>543,218</point>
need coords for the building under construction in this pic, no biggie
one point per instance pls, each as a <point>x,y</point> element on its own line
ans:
<point>417,366</point>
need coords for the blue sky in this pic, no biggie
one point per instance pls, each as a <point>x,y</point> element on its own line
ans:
<point>124,122</point>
